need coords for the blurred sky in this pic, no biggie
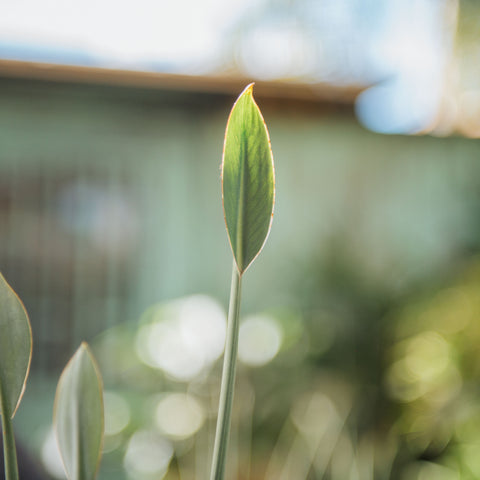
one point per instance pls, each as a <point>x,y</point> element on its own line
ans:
<point>402,47</point>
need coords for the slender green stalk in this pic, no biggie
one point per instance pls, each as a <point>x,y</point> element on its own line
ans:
<point>228,379</point>
<point>9,448</point>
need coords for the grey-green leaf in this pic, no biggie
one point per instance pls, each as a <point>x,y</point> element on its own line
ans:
<point>15,348</point>
<point>248,180</point>
<point>78,415</point>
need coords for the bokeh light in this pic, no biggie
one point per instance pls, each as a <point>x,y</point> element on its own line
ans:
<point>117,413</point>
<point>425,368</point>
<point>50,456</point>
<point>260,339</point>
<point>185,338</point>
<point>107,218</point>
<point>314,413</point>
<point>179,416</point>
<point>148,455</point>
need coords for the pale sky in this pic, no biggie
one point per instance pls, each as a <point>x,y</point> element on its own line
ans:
<point>399,45</point>
<point>176,34</point>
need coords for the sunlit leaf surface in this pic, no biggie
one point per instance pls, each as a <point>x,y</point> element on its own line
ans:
<point>248,180</point>
<point>78,415</point>
<point>15,348</point>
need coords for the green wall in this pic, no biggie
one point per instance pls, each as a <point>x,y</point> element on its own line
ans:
<point>110,201</point>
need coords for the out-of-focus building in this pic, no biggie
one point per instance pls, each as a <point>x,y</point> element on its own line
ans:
<point>110,191</point>
<point>110,188</point>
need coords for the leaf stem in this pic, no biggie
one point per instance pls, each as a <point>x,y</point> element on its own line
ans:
<point>228,379</point>
<point>9,448</point>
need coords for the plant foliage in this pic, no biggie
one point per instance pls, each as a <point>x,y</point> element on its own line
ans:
<point>15,348</point>
<point>248,181</point>
<point>78,415</point>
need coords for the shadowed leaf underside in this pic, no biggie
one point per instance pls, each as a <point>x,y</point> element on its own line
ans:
<point>15,348</point>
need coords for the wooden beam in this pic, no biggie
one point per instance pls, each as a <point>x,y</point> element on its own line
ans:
<point>213,84</point>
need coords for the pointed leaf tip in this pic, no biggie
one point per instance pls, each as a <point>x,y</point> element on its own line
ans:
<point>15,347</point>
<point>78,415</point>
<point>248,180</point>
<point>249,89</point>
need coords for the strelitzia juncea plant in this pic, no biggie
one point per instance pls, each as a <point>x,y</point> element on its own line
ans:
<point>78,411</point>
<point>248,192</point>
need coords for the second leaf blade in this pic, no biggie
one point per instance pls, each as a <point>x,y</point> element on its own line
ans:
<point>78,415</point>
<point>15,347</point>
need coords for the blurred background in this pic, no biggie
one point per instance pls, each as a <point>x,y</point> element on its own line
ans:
<point>360,326</point>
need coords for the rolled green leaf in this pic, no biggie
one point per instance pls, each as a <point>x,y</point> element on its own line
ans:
<point>15,348</point>
<point>248,180</point>
<point>78,415</point>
